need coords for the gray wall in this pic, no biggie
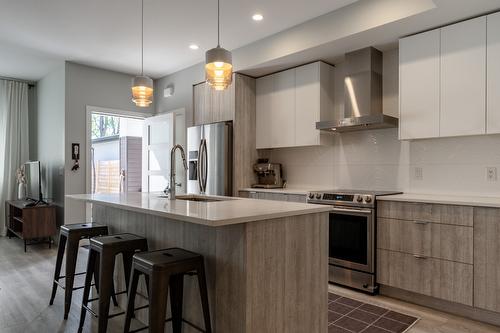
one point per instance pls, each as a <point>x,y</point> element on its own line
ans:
<point>47,131</point>
<point>183,91</point>
<point>88,86</point>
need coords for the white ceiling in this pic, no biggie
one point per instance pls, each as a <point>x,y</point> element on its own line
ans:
<point>35,35</point>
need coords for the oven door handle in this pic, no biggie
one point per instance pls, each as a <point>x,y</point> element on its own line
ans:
<point>347,210</point>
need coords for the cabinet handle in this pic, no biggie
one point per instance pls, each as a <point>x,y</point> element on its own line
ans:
<point>418,256</point>
<point>420,222</point>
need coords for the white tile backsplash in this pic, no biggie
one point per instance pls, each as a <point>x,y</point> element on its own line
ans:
<point>378,160</point>
<point>364,160</point>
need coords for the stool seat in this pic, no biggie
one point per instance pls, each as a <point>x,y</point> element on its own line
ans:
<point>104,249</point>
<point>166,269</point>
<point>166,259</point>
<point>84,227</point>
<point>69,242</point>
<point>118,243</point>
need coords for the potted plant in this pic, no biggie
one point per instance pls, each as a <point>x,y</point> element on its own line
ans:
<point>21,180</point>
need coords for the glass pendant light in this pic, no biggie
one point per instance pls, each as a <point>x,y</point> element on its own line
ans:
<point>142,86</point>
<point>219,63</point>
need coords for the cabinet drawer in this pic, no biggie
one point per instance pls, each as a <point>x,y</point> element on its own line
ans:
<point>272,196</point>
<point>296,198</point>
<point>415,211</point>
<point>440,241</point>
<point>442,279</point>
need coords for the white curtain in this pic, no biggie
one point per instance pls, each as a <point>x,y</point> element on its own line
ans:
<point>14,139</point>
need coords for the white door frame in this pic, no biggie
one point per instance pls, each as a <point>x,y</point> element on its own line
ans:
<point>174,113</point>
<point>88,138</point>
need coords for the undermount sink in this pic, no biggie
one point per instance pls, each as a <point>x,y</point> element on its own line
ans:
<point>201,198</point>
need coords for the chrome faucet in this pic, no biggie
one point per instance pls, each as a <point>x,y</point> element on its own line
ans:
<point>170,190</point>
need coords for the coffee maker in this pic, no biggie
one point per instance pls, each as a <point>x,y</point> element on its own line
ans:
<point>268,174</point>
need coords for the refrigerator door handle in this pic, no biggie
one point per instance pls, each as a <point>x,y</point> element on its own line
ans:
<point>205,162</point>
<point>198,167</point>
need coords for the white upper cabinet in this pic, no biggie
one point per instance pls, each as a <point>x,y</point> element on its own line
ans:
<point>289,104</point>
<point>419,85</point>
<point>307,103</point>
<point>283,109</point>
<point>444,79</point>
<point>463,77</point>
<point>493,78</point>
<point>263,111</point>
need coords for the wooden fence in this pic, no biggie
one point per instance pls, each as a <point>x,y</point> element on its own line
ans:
<point>107,176</point>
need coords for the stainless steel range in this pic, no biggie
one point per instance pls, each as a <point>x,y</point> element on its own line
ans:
<point>352,236</point>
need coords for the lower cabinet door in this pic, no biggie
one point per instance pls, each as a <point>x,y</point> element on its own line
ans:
<point>272,196</point>
<point>487,258</point>
<point>448,280</point>
<point>296,198</point>
<point>440,241</point>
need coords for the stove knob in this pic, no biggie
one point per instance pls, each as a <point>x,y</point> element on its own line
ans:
<point>318,195</point>
<point>311,195</point>
<point>359,198</point>
<point>368,198</point>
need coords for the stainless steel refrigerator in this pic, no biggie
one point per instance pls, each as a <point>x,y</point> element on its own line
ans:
<point>210,155</point>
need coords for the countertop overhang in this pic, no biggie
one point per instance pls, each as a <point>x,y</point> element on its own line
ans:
<point>218,213</point>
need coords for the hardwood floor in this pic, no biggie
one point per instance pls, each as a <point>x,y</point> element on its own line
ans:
<point>25,286</point>
<point>431,321</point>
<point>25,282</point>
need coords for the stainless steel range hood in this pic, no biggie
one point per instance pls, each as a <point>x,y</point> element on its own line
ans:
<point>363,94</point>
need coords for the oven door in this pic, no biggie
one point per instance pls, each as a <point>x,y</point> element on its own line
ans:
<point>351,238</point>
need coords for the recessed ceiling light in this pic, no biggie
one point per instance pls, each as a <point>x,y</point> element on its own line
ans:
<point>194,47</point>
<point>257,17</point>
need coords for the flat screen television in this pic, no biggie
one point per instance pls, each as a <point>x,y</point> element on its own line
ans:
<point>33,184</point>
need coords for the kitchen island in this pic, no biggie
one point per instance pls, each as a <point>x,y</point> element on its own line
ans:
<point>266,261</point>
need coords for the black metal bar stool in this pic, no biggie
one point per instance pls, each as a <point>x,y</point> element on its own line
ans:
<point>105,249</point>
<point>69,240</point>
<point>164,269</point>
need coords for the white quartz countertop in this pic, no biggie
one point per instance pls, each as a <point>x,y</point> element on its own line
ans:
<point>217,213</point>
<point>462,200</point>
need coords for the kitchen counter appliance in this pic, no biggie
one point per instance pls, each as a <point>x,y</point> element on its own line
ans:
<point>268,175</point>
<point>352,236</point>
<point>210,159</point>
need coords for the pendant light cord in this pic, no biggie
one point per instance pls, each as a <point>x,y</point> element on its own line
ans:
<point>218,23</point>
<point>142,38</point>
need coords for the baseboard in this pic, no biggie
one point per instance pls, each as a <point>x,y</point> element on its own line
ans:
<point>462,310</point>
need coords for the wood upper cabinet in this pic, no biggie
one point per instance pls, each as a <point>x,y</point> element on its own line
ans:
<point>463,77</point>
<point>289,104</point>
<point>210,105</point>
<point>419,85</point>
<point>487,258</point>
<point>493,77</point>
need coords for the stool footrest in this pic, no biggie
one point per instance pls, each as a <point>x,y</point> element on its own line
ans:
<point>63,276</point>
<point>93,313</point>
<point>74,288</point>
<point>97,298</point>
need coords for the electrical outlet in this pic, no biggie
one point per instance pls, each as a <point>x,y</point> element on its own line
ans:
<point>491,174</point>
<point>418,173</point>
